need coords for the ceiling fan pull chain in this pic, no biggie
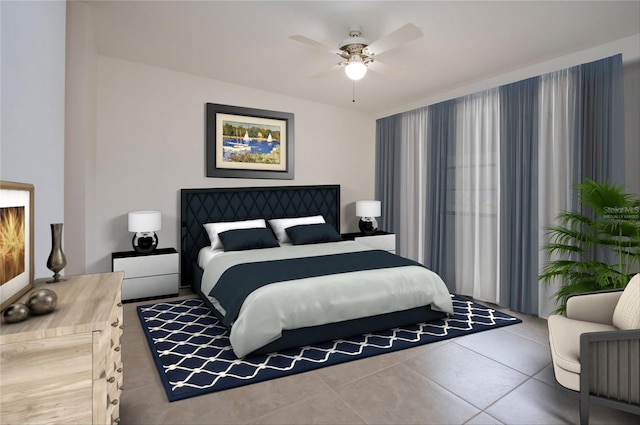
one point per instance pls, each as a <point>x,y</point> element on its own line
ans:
<point>353,95</point>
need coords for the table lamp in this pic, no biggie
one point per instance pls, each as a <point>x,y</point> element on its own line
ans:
<point>145,224</point>
<point>368,211</point>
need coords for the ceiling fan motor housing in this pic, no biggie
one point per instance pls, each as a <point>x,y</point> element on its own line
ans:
<point>355,44</point>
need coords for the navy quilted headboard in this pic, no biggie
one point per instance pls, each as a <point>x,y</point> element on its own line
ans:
<point>200,206</point>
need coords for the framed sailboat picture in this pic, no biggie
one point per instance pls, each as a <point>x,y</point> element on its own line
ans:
<point>249,143</point>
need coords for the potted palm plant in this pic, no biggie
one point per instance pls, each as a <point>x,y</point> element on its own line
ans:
<point>597,248</point>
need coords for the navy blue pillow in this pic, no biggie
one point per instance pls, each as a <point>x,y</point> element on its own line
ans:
<point>243,239</point>
<point>313,233</point>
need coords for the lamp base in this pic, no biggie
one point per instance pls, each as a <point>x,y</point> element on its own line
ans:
<point>145,242</point>
<point>368,225</point>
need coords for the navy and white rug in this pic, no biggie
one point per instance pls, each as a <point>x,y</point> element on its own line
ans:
<point>193,355</point>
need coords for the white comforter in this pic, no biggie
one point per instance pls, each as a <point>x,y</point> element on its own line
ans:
<point>314,301</point>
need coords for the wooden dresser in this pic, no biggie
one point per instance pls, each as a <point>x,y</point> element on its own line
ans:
<point>66,366</point>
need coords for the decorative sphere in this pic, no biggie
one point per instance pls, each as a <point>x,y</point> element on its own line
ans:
<point>16,313</point>
<point>42,301</point>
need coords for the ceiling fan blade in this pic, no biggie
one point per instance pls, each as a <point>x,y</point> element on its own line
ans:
<point>400,36</point>
<point>325,72</point>
<point>316,44</point>
<point>385,69</point>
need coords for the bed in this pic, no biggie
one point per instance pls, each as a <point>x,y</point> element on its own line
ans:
<point>199,207</point>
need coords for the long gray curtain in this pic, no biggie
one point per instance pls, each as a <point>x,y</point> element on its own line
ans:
<point>600,124</point>
<point>438,252</point>
<point>591,130</point>
<point>519,195</point>
<point>388,139</point>
<point>601,121</point>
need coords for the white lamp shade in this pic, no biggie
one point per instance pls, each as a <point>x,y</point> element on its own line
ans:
<point>368,208</point>
<point>355,69</point>
<point>145,221</point>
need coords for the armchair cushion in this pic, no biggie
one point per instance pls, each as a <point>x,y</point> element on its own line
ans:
<point>597,307</point>
<point>627,312</point>
<point>564,341</point>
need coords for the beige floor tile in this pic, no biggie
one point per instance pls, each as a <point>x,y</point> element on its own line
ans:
<point>400,395</point>
<point>535,403</point>
<point>515,351</point>
<point>471,376</point>
<point>403,355</point>
<point>250,402</point>
<point>546,375</point>
<point>325,408</point>
<point>139,368</point>
<point>344,373</point>
<point>149,405</point>
<point>483,419</point>
<point>144,405</point>
<point>533,328</point>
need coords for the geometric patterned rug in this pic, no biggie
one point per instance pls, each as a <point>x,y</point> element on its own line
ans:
<point>193,355</point>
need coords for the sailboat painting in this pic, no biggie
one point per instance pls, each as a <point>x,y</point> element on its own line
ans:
<point>256,141</point>
<point>245,142</point>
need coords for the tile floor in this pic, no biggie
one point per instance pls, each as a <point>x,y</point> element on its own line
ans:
<point>502,376</point>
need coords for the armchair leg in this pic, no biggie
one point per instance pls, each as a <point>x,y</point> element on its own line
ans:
<point>584,408</point>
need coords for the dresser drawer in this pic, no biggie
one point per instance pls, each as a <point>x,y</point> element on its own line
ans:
<point>47,381</point>
<point>105,341</point>
<point>107,367</point>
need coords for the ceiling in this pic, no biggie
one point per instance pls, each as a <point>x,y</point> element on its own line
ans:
<point>247,42</point>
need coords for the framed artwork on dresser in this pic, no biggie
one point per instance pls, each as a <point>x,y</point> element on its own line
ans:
<point>249,143</point>
<point>16,241</point>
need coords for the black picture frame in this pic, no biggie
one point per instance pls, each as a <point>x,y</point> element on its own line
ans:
<point>17,200</point>
<point>257,165</point>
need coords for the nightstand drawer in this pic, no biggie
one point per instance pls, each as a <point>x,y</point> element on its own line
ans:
<point>151,286</point>
<point>148,265</point>
<point>386,242</point>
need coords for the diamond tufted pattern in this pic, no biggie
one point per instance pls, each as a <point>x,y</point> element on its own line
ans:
<point>200,206</point>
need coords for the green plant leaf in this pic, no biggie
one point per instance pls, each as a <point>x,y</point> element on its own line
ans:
<point>594,248</point>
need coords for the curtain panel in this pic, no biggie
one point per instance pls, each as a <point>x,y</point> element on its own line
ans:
<point>559,165</point>
<point>519,190</point>
<point>470,185</point>
<point>388,140</point>
<point>476,177</point>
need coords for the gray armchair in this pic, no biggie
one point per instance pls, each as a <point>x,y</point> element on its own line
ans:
<point>595,348</point>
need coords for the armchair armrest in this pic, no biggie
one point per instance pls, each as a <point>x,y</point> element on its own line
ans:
<point>596,307</point>
<point>609,369</point>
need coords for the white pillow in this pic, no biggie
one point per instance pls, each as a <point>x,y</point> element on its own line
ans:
<point>279,225</point>
<point>627,312</point>
<point>213,229</point>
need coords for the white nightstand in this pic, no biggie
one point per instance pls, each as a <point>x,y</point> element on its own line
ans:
<point>381,240</point>
<point>148,275</point>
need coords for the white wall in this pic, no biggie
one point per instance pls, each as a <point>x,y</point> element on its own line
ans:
<point>150,143</point>
<point>80,136</point>
<point>32,119</point>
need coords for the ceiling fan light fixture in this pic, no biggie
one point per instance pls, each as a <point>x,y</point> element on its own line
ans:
<point>355,69</point>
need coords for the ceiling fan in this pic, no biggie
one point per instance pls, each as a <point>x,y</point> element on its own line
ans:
<point>358,52</point>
